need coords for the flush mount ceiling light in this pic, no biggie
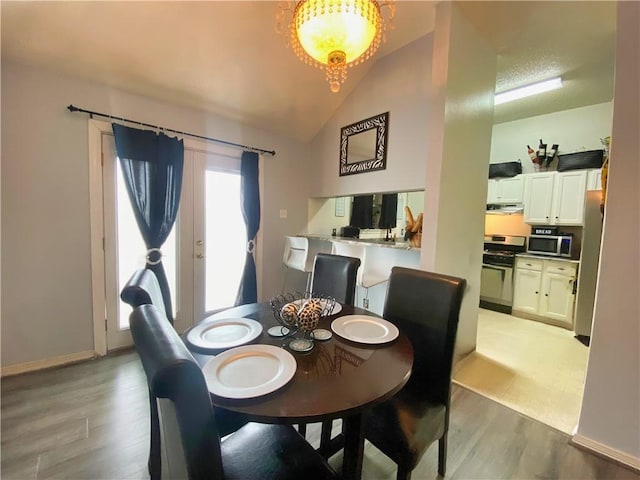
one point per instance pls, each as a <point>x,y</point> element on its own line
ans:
<point>528,90</point>
<point>334,34</point>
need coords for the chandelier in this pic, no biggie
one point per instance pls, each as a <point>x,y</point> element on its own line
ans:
<point>334,34</point>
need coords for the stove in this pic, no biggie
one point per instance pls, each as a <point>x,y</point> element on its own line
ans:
<point>498,259</point>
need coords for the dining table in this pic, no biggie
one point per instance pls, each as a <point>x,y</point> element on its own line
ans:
<point>339,378</point>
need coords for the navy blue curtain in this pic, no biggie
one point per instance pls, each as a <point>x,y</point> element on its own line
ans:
<point>388,211</point>
<point>250,191</point>
<point>152,168</point>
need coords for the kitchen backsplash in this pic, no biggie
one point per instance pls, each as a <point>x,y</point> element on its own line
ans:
<point>506,225</point>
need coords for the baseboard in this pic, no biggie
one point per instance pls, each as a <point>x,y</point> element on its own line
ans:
<point>612,454</point>
<point>531,316</point>
<point>35,365</point>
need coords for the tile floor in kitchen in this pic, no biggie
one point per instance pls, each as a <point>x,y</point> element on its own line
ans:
<point>533,368</point>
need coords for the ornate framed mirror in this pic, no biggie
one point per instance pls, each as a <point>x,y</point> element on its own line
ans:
<point>363,145</point>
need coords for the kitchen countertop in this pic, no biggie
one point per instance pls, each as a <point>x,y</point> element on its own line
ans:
<point>547,257</point>
<point>374,242</point>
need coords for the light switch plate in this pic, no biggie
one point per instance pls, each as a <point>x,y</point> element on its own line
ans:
<point>283,213</point>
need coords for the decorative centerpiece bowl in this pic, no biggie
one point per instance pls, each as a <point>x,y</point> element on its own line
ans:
<point>298,315</point>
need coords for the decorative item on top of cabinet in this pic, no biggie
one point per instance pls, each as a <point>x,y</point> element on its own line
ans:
<point>545,290</point>
<point>542,157</point>
<point>555,198</point>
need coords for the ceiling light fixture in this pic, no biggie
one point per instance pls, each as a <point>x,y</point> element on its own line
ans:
<point>527,90</point>
<point>334,34</point>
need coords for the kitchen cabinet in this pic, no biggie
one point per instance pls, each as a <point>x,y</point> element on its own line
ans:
<point>537,197</point>
<point>544,290</point>
<point>594,179</point>
<point>555,198</point>
<point>506,190</point>
<point>527,282</point>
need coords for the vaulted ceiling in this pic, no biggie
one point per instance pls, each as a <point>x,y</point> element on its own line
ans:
<point>226,57</point>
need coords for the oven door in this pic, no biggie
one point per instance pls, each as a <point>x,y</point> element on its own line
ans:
<point>496,284</point>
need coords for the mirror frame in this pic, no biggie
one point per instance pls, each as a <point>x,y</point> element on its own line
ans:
<point>379,162</point>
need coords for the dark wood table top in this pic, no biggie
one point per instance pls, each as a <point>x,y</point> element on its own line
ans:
<point>335,379</point>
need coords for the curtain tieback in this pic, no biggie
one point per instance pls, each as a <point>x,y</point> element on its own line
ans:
<point>154,256</point>
<point>251,246</point>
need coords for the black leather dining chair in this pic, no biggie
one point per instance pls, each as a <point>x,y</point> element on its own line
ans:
<point>143,289</point>
<point>335,276</point>
<point>426,307</point>
<point>191,445</point>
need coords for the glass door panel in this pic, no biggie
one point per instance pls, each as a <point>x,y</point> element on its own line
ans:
<point>225,239</point>
<point>125,251</point>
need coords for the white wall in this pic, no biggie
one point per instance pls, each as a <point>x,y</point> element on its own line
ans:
<point>459,130</point>
<point>610,415</point>
<point>323,218</point>
<point>46,281</point>
<point>399,84</point>
<point>573,130</point>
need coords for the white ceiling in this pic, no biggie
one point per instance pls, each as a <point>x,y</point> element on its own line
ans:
<point>225,56</point>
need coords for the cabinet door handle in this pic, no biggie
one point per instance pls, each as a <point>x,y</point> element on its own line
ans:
<point>560,268</point>
<point>536,293</point>
<point>546,294</point>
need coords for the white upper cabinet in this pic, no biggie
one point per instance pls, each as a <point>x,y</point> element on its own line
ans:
<point>594,179</point>
<point>506,190</point>
<point>568,198</point>
<point>537,198</point>
<point>555,198</point>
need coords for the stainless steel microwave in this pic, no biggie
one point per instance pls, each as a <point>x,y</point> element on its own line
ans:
<point>552,245</point>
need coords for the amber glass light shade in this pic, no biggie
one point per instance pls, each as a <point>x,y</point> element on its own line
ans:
<point>336,34</point>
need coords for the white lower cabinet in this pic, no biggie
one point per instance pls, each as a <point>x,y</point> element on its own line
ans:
<point>544,289</point>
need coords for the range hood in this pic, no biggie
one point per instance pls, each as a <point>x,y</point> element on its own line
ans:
<point>504,209</point>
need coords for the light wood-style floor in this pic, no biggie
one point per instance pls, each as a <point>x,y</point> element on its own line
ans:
<point>90,421</point>
<point>534,368</point>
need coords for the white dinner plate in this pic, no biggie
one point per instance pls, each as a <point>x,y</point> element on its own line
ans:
<point>249,371</point>
<point>224,333</point>
<point>336,307</point>
<point>365,329</point>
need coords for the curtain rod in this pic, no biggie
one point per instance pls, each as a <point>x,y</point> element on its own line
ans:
<point>73,108</point>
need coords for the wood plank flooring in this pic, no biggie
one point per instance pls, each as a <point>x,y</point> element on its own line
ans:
<point>91,421</point>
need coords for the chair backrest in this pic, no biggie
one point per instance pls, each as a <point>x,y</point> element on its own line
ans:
<point>335,275</point>
<point>426,306</point>
<point>352,250</point>
<point>143,288</point>
<point>189,438</point>
<point>296,253</point>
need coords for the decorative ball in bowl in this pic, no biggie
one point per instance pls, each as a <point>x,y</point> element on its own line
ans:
<point>301,311</point>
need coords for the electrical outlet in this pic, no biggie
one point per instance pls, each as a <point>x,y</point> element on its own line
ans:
<point>283,213</point>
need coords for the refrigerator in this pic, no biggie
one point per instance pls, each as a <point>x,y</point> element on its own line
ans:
<point>589,261</point>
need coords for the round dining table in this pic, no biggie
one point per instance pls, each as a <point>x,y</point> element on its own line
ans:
<point>337,378</point>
